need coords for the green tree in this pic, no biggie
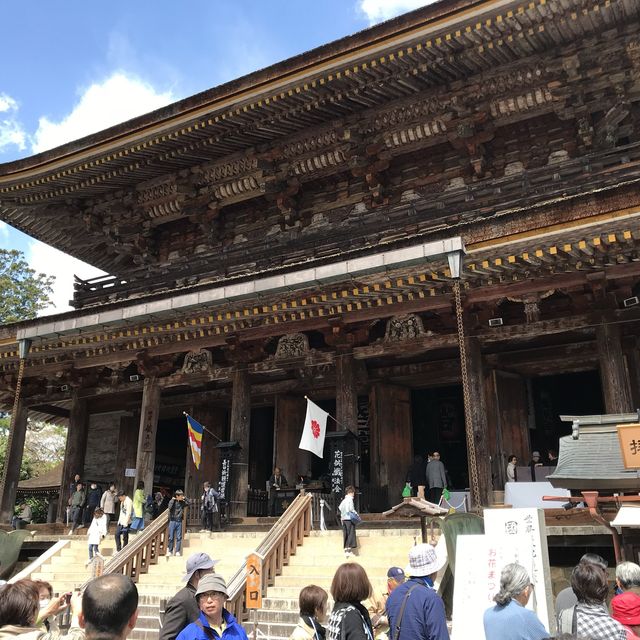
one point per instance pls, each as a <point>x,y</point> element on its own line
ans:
<point>43,448</point>
<point>23,292</point>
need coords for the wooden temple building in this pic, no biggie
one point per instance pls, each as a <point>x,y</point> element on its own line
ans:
<point>296,232</point>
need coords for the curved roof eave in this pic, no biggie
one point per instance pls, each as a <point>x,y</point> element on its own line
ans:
<point>279,71</point>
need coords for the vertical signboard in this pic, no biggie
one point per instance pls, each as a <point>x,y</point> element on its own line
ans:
<point>225,476</point>
<point>253,593</point>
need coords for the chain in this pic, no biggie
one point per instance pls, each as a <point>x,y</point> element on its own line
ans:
<point>12,427</point>
<point>468,421</point>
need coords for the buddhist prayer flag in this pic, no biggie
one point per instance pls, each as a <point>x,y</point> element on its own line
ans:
<point>315,428</point>
<point>195,430</point>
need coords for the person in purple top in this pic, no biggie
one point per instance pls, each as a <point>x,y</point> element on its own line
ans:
<point>509,619</point>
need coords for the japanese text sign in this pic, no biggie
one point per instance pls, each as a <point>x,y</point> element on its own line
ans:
<point>629,438</point>
<point>253,593</point>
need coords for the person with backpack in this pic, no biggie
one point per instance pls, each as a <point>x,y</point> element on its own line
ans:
<point>209,506</point>
<point>414,609</point>
<point>176,508</point>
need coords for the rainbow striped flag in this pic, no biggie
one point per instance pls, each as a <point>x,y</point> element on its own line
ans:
<point>195,430</point>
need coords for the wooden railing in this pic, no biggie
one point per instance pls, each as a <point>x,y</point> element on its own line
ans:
<point>278,545</point>
<point>143,550</point>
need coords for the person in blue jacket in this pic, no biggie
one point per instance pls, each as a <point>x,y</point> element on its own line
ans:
<point>423,617</point>
<point>214,620</point>
<point>509,619</point>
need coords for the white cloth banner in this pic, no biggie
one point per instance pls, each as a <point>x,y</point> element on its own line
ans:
<point>315,428</point>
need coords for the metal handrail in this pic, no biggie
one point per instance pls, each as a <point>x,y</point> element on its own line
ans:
<point>274,550</point>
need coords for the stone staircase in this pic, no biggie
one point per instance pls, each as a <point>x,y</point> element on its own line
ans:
<point>66,571</point>
<point>316,561</point>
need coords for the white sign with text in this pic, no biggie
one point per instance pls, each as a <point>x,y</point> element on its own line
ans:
<point>511,535</point>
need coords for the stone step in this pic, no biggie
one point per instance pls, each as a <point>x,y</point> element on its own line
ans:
<point>272,630</point>
<point>286,616</point>
<point>148,621</point>
<point>281,603</point>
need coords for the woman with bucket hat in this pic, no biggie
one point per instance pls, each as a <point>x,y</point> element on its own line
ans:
<point>214,620</point>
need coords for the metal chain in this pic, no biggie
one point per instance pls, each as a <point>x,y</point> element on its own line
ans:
<point>468,421</point>
<point>12,424</point>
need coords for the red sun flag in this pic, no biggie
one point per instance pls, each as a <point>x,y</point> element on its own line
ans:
<point>315,427</point>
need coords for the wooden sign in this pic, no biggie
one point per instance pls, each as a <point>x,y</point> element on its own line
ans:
<point>629,438</point>
<point>253,592</point>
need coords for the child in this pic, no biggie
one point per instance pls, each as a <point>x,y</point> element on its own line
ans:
<point>97,531</point>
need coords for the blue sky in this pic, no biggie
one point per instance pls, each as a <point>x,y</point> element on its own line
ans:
<point>72,67</point>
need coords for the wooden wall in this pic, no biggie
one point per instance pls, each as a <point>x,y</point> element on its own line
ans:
<point>391,435</point>
<point>289,422</point>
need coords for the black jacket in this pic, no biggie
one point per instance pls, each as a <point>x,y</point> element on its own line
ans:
<point>176,508</point>
<point>352,627</point>
<point>181,610</point>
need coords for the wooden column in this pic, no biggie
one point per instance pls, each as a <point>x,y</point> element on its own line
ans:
<point>146,455</point>
<point>289,422</point>
<point>477,407</point>
<point>613,369</point>
<point>126,455</point>
<point>507,404</point>
<point>74,450</point>
<point>391,437</point>
<point>11,474</point>
<point>631,349</point>
<point>346,391</point>
<point>240,421</point>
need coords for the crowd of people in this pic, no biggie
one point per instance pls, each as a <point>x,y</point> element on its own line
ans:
<point>95,509</point>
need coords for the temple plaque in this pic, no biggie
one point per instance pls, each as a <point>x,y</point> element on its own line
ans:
<point>629,438</point>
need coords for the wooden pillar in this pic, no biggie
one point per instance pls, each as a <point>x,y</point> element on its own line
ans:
<point>613,369</point>
<point>391,437</point>
<point>476,405</point>
<point>11,473</point>
<point>346,391</point>
<point>631,348</point>
<point>146,455</point>
<point>126,455</point>
<point>289,422</point>
<point>74,450</point>
<point>240,421</point>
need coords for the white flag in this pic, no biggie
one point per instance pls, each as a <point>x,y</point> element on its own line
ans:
<point>315,428</point>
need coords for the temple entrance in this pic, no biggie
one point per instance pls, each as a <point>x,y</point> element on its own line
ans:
<point>261,447</point>
<point>438,424</point>
<point>171,451</point>
<point>566,394</point>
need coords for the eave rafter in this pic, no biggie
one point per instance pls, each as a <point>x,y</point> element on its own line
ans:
<point>563,261</point>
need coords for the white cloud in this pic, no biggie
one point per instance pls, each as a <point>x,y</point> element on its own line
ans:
<point>46,259</point>
<point>4,231</point>
<point>11,131</point>
<point>116,99</point>
<point>379,10</point>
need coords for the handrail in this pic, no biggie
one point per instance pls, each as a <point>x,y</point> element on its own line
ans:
<point>275,549</point>
<point>136,557</point>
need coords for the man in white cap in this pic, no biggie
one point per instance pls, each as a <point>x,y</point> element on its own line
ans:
<point>183,608</point>
<point>213,621</point>
<point>414,609</point>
